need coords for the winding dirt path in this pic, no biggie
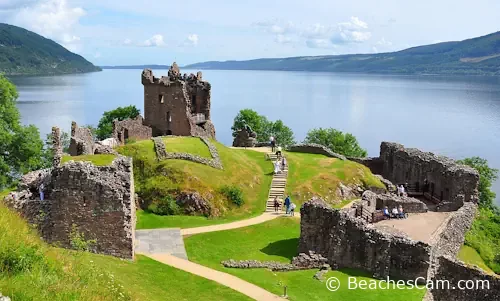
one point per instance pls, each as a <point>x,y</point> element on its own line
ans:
<point>266,216</point>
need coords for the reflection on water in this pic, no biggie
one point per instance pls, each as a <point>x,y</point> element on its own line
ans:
<point>453,116</point>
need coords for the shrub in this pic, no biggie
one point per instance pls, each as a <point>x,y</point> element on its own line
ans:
<point>234,194</point>
<point>78,241</point>
<point>342,143</point>
<point>165,206</point>
<point>21,259</point>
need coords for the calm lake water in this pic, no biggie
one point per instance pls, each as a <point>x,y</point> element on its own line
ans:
<point>453,116</point>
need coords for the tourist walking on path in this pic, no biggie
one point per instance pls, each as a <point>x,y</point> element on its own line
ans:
<point>292,209</point>
<point>276,204</point>
<point>277,169</point>
<point>273,143</point>
<point>283,163</point>
<point>287,203</point>
<point>278,152</point>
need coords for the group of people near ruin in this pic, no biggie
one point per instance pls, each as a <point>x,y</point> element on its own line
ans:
<point>396,212</point>
<point>287,204</point>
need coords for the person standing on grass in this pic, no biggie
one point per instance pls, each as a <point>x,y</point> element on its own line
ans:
<point>276,204</point>
<point>283,163</point>
<point>287,203</point>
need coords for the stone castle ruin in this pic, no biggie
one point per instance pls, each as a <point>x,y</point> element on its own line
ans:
<point>94,202</point>
<point>177,104</point>
<point>131,129</point>
<point>424,245</point>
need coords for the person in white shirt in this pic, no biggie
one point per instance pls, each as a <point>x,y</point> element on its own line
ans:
<point>395,212</point>
<point>273,143</point>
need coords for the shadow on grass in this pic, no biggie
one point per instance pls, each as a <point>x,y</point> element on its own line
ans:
<point>286,248</point>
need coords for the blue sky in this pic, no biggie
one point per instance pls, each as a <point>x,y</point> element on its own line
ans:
<point>126,32</point>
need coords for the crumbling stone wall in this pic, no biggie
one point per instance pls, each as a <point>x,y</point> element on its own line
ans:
<point>97,200</point>
<point>375,164</point>
<point>131,129</point>
<point>177,105</point>
<point>56,147</point>
<point>313,148</point>
<point>410,205</point>
<point>448,181</point>
<point>82,141</point>
<point>352,243</point>
<point>450,237</point>
<point>454,271</point>
<point>244,138</point>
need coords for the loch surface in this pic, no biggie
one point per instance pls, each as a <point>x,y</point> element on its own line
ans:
<point>453,116</point>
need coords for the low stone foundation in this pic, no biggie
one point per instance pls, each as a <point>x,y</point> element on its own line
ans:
<point>301,262</point>
<point>163,154</point>
<point>313,148</point>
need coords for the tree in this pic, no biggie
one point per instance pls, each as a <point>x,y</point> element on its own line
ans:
<point>105,126</point>
<point>257,122</point>
<point>339,142</point>
<point>487,176</point>
<point>282,133</point>
<point>20,146</point>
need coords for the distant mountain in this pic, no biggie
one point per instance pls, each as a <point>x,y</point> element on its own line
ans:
<point>23,52</point>
<point>477,56</point>
<point>137,67</point>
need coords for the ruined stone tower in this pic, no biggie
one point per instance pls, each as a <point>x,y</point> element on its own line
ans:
<point>177,104</point>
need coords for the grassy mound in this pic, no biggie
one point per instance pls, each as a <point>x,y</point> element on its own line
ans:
<point>32,270</point>
<point>317,175</point>
<point>244,169</point>
<point>471,256</point>
<point>277,240</point>
<point>191,145</point>
<point>98,160</point>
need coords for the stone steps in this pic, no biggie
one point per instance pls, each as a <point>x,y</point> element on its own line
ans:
<point>278,186</point>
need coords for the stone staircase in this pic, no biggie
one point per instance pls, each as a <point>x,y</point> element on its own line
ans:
<point>278,185</point>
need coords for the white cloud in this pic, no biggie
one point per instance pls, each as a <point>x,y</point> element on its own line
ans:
<point>319,35</point>
<point>127,42</point>
<point>320,43</point>
<point>283,39</point>
<point>14,4</point>
<point>191,40</point>
<point>154,41</point>
<point>384,42</point>
<point>97,55</point>
<point>54,19</point>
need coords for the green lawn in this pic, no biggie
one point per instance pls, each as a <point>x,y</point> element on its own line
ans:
<point>277,240</point>
<point>317,175</point>
<point>99,160</point>
<point>147,220</point>
<point>190,145</point>
<point>150,280</point>
<point>32,270</point>
<point>470,256</point>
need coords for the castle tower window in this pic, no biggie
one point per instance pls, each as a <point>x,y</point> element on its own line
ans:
<point>193,103</point>
<point>160,98</point>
